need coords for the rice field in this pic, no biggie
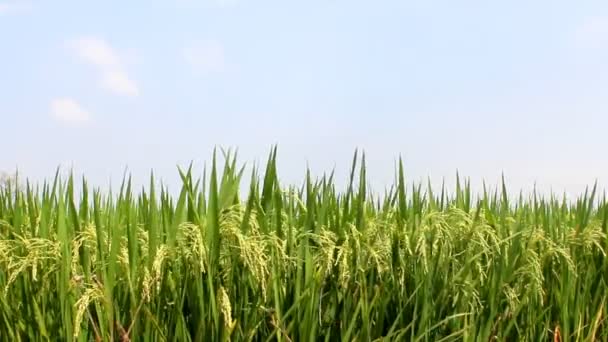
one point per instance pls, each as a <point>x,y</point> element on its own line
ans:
<point>303,262</point>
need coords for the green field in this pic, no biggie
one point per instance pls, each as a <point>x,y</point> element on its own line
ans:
<point>303,262</point>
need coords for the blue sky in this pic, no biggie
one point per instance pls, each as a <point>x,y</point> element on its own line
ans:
<point>484,87</point>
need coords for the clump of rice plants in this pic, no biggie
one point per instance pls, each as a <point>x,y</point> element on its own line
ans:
<point>298,263</point>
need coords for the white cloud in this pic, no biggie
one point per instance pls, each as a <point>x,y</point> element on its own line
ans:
<point>13,7</point>
<point>107,60</point>
<point>69,111</point>
<point>96,51</point>
<point>119,83</point>
<point>593,32</point>
<point>206,56</point>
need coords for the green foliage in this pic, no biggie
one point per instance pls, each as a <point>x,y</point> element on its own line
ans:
<point>302,263</point>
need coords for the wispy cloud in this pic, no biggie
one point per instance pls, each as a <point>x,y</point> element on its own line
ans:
<point>205,56</point>
<point>97,52</point>
<point>119,82</point>
<point>67,110</point>
<point>593,32</point>
<point>106,59</point>
<point>14,7</point>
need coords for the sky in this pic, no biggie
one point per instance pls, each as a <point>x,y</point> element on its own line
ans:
<point>482,87</point>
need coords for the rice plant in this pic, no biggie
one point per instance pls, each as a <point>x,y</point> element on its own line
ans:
<point>304,262</point>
